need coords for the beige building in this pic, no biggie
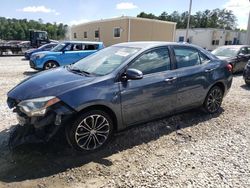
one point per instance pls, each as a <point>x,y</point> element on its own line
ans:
<point>211,38</point>
<point>124,29</point>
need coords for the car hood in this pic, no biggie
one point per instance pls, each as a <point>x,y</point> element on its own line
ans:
<point>226,58</point>
<point>48,83</point>
<point>30,50</point>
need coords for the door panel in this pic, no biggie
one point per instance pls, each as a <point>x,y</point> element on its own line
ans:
<point>155,94</point>
<point>192,85</point>
<point>193,72</point>
<point>148,98</point>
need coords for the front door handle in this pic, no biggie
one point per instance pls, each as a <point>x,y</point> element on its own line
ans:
<point>170,79</point>
<point>209,70</point>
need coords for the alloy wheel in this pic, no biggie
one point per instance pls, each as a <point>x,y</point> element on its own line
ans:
<point>50,65</point>
<point>214,100</point>
<point>92,132</point>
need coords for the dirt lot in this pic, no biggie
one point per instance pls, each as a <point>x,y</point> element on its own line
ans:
<point>191,149</point>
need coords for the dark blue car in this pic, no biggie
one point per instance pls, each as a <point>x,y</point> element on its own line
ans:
<point>117,87</point>
<point>246,73</point>
<point>45,47</point>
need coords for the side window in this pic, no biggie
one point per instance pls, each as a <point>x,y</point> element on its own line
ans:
<point>85,34</point>
<point>204,59</point>
<point>117,32</point>
<point>68,48</point>
<point>90,47</point>
<point>96,33</point>
<point>157,60</point>
<point>244,50</point>
<point>186,57</point>
<point>248,50</point>
<point>77,47</point>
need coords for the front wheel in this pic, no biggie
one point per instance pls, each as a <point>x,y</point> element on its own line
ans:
<point>213,100</point>
<point>247,82</point>
<point>90,131</point>
<point>50,64</point>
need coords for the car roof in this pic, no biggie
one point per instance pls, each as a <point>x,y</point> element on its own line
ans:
<point>87,42</point>
<point>145,45</point>
<point>152,44</point>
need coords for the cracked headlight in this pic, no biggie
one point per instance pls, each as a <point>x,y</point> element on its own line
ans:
<point>38,106</point>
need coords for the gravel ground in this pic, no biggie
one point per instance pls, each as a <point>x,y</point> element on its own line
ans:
<point>191,149</point>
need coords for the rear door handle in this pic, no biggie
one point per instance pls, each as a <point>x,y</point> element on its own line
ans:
<point>209,70</point>
<point>170,79</point>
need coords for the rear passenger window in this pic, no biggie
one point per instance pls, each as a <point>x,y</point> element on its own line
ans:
<point>186,57</point>
<point>154,61</point>
<point>90,47</point>
<point>204,59</point>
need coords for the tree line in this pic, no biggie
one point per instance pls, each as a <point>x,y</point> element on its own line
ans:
<point>18,29</point>
<point>217,18</point>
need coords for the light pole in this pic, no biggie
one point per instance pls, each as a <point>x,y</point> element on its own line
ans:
<point>188,21</point>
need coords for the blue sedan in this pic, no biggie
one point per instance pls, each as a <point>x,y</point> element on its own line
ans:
<point>64,53</point>
<point>117,87</point>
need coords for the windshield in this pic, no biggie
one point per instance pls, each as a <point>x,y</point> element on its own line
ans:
<point>226,52</point>
<point>58,47</point>
<point>105,61</point>
<point>44,46</point>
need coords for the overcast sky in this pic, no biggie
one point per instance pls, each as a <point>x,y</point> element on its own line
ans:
<point>77,11</point>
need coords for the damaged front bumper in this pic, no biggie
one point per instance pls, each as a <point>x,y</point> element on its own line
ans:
<point>38,129</point>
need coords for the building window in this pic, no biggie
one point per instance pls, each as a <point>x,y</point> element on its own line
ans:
<point>85,35</point>
<point>181,39</point>
<point>215,42</point>
<point>75,36</point>
<point>117,32</point>
<point>96,33</point>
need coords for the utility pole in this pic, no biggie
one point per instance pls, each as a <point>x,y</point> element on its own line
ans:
<point>189,13</point>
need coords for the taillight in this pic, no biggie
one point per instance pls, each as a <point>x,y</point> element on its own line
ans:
<point>229,67</point>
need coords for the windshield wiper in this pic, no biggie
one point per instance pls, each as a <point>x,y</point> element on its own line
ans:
<point>70,68</point>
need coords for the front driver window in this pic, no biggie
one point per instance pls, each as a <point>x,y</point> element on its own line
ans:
<point>157,60</point>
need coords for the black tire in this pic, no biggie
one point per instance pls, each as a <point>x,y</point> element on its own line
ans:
<point>85,137</point>
<point>50,64</point>
<point>213,100</point>
<point>247,83</point>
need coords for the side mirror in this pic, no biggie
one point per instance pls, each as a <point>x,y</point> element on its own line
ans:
<point>133,74</point>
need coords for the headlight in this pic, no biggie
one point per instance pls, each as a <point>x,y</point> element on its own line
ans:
<point>38,56</point>
<point>38,106</point>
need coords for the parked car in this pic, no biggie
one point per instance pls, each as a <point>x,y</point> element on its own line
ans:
<point>45,47</point>
<point>117,87</point>
<point>246,73</point>
<point>64,53</point>
<point>236,55</point>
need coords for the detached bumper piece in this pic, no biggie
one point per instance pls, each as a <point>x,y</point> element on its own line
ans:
<point>39,129</point>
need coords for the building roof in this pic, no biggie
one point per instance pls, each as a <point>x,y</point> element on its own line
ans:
<point>124,18</point>
<point>213,29</point>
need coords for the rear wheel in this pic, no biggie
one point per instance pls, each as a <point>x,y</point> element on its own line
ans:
<point>213,100</point>
<point>90,131</point>
<point>50,65</point>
